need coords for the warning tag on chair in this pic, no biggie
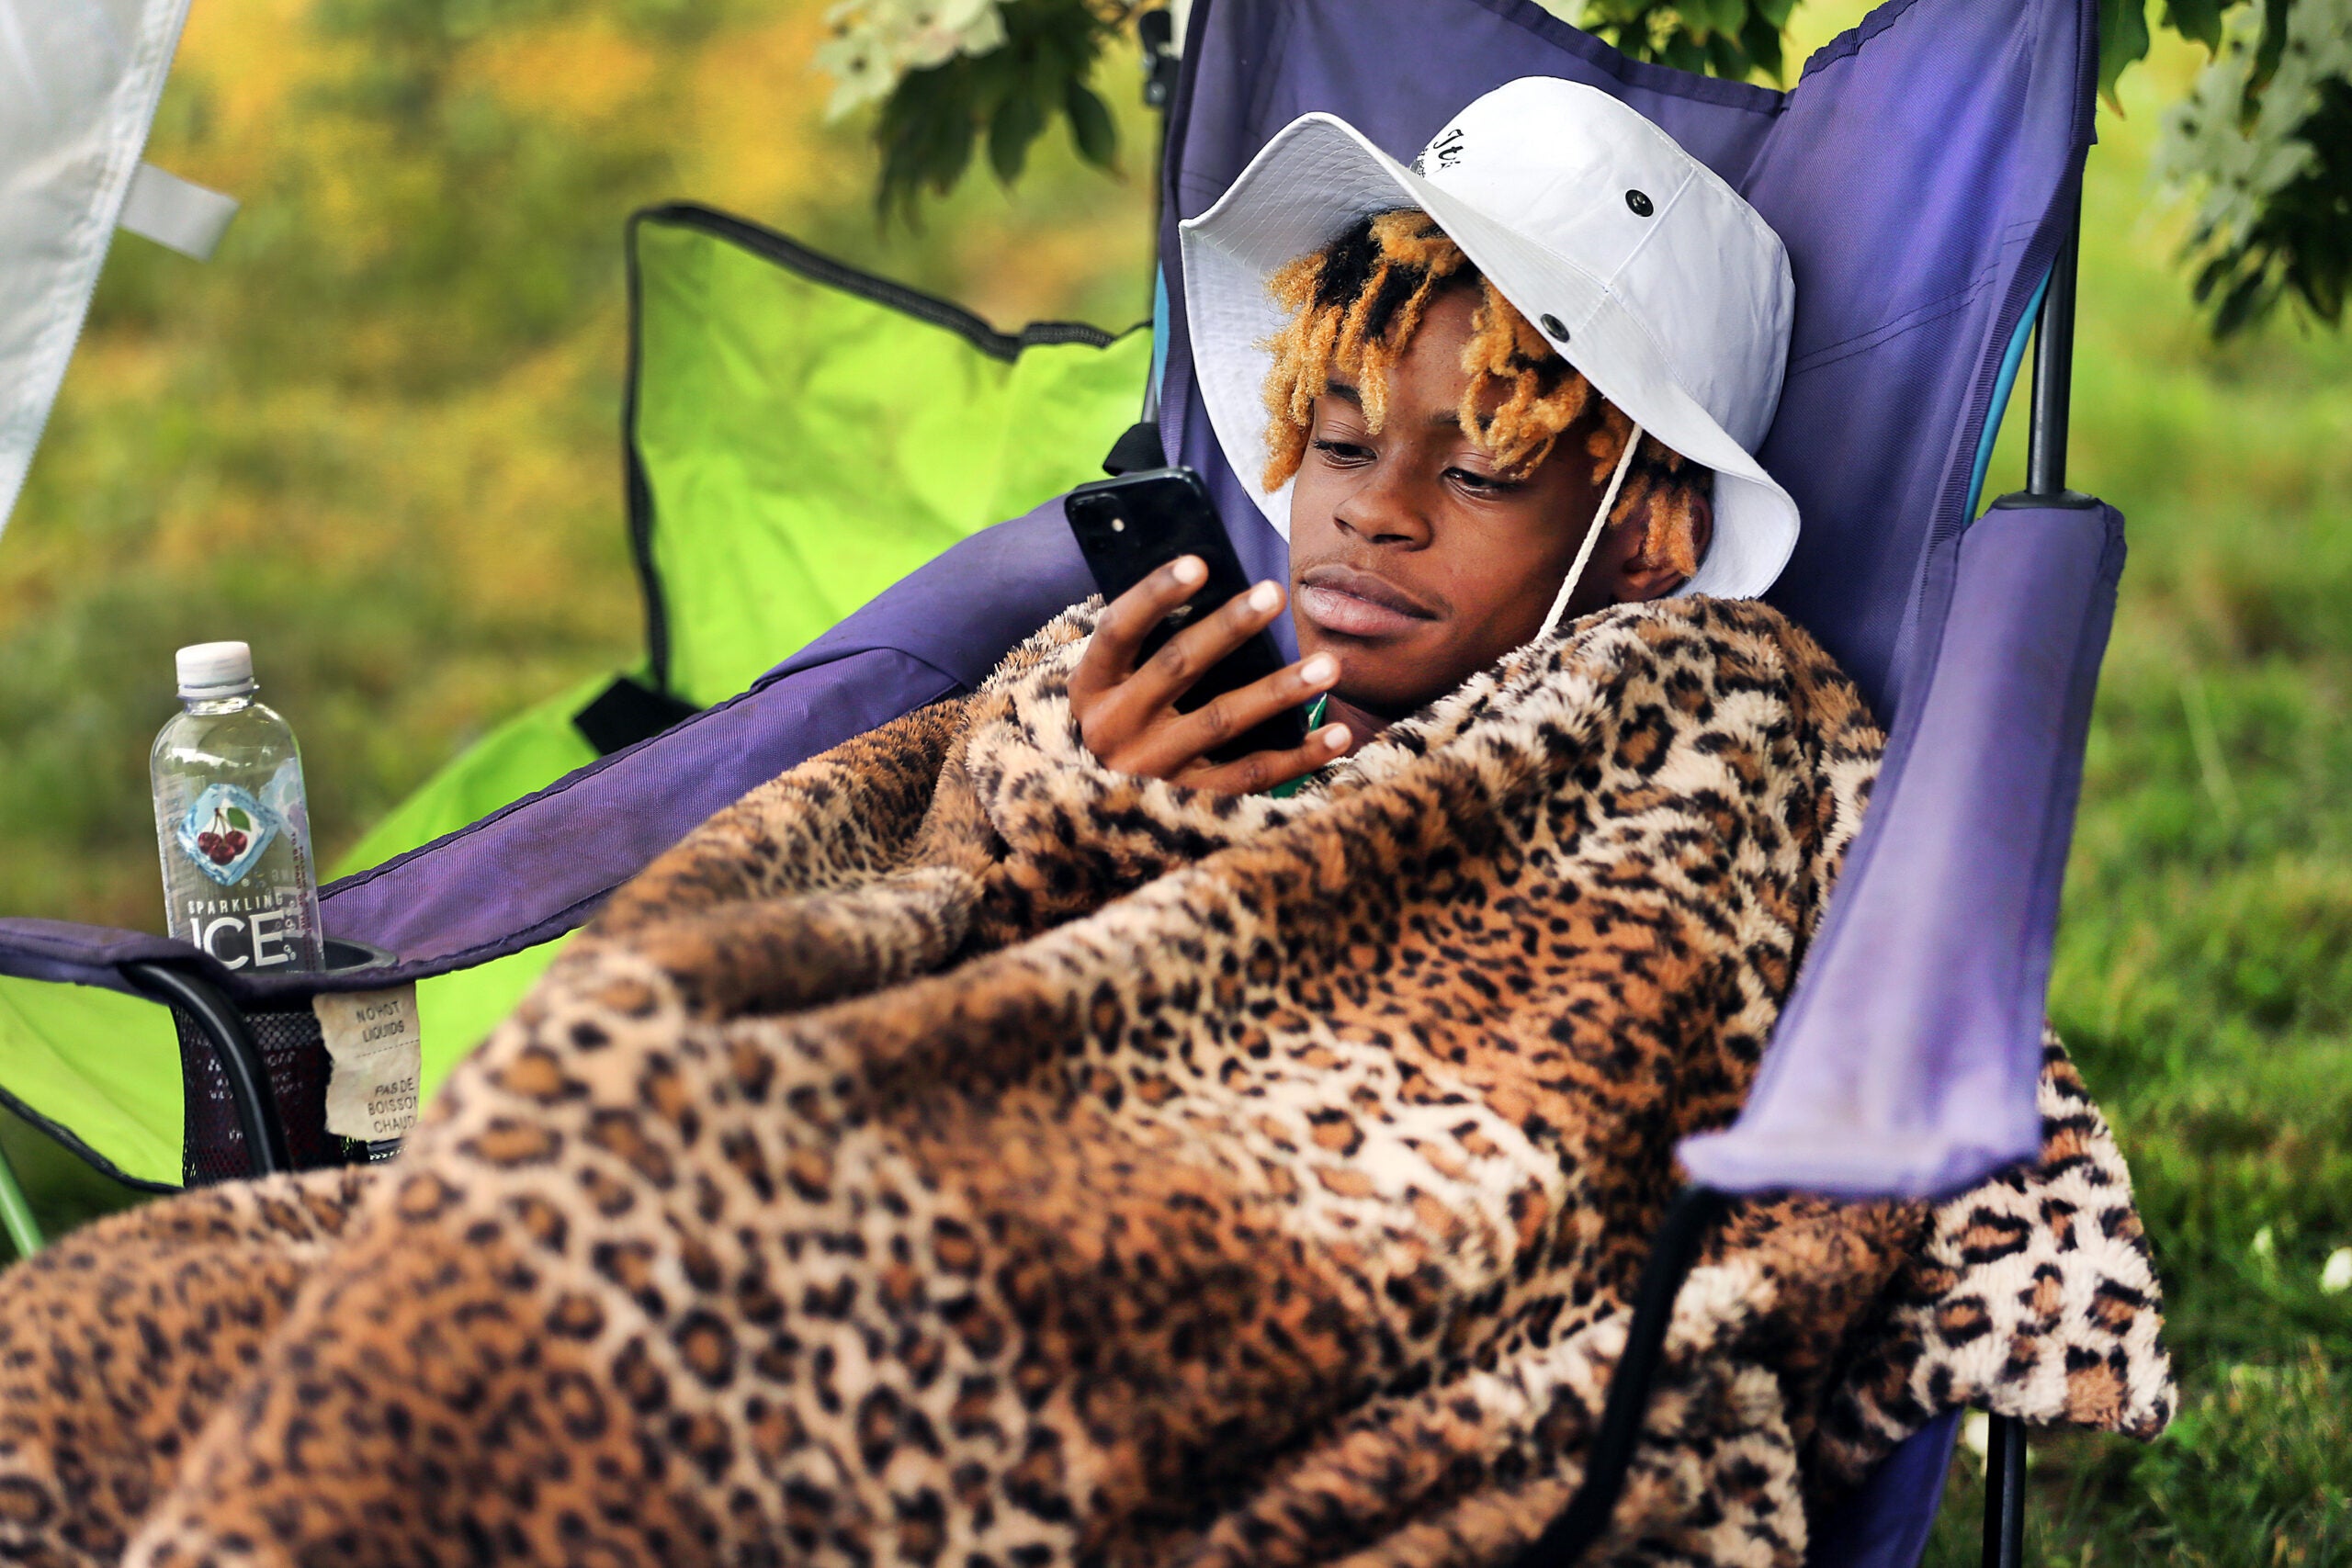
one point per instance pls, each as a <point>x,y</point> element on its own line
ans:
<point>373,1043</point>
<point>161,207</point>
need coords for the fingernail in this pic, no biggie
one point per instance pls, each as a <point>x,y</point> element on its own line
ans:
<point>1191,570</point>
<point>1335,738</point>
<point>1319,671</point>
<point>1265,597</point>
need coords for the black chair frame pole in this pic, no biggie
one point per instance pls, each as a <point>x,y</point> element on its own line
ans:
<point>2046,484</point>
<point>1163,54</point>
<point>2053,371</point>
<point>2004,1494</point>
<point>1672,1251</point>
<point>240,1054</point>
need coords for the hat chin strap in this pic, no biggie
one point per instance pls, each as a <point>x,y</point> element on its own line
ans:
<point>1592,534</point>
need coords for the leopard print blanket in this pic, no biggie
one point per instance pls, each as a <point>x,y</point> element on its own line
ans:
<point>955,1153</point>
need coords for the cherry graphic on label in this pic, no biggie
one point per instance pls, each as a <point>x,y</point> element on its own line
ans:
<point>226,831</point>
<point>226,840</point>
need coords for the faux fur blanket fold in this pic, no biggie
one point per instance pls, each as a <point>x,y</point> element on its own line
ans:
<point>958,1154</point>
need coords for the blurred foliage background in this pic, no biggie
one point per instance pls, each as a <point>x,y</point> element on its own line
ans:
<point>2262,136</point>
<point>377,436</point>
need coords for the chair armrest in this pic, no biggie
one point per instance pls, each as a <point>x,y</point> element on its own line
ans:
<point>1905,1064</point>
<point>69,954</point>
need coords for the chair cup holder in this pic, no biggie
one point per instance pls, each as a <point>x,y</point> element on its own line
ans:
<point>295,1055</point>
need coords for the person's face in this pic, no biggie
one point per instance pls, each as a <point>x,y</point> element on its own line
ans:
<point>1414,560</point>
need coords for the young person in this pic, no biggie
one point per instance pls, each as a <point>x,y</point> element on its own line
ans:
<point>1454,479</point>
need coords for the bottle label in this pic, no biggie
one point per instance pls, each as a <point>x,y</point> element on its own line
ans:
<point>371,1038</point>
<point>224,833</point>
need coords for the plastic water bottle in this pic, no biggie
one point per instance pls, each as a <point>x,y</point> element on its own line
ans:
<point>232,822</point>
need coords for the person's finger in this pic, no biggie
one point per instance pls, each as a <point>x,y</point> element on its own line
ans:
<point>1192,653</point>
<point>1178,742</point>
<point>1146,698</point>
<point>1261,770</point>
<point>1119,631</point>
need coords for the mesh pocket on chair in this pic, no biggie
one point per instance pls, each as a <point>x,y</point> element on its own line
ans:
<point>295,1055</point>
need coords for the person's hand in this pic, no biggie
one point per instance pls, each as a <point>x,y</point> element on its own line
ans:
<point>1128,713</point>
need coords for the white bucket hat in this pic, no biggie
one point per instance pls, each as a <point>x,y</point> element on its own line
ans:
<point>1647,272</point>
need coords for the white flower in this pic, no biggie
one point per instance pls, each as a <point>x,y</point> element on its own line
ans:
<point>938,30</point>
<point>2335,1274</point>
<point>2264,1246</point>
<point>861,70</point>
<point>877,42</point>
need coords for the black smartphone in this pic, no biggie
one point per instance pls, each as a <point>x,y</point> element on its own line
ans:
<point>1130,526</point>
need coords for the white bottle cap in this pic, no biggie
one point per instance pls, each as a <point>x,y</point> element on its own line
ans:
<point>215,669</point>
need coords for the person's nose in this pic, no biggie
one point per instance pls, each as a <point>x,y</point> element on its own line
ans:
<point>1385,509</point>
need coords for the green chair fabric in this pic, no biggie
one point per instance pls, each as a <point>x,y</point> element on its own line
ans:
<point>800,437</point>
<point>98,1068</point>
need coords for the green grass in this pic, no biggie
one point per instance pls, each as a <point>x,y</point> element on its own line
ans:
<point>377,437</point>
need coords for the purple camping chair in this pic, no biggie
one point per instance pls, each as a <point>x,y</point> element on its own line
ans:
<point>1925,177</point>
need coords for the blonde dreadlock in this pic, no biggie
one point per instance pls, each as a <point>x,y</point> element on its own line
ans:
<point>1355,306</point>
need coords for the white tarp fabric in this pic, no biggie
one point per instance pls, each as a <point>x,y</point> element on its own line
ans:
<point>79,80</point>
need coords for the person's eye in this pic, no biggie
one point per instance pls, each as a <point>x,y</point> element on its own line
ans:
<point>1342,452</point>
<point>1480,484</point>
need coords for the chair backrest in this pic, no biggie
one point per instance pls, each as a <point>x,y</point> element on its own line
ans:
<point>1917,174</point>
<point>1921,175</point>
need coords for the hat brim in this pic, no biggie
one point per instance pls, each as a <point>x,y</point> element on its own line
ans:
<point>1317,175</point>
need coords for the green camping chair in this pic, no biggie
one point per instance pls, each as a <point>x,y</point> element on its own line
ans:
<point>776,481</point>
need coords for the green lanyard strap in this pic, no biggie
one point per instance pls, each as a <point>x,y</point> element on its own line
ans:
<point>1315,711</point>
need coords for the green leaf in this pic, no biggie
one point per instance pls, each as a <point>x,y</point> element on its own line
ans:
<point>1761,39</point>
<point>2122,38</point>
<point>1089,125</point>
<point>2246,302</point>
<point>2300,245</point>
<point>238,820</point>
<point>2196,19</point>
<point>947,152</point>
<point>1018,122</point>
<point>1713,17</point>
<point>2273,43</point>
<point>925,133</point>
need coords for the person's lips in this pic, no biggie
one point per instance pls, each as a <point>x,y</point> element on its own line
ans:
<point>1350,603</point>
